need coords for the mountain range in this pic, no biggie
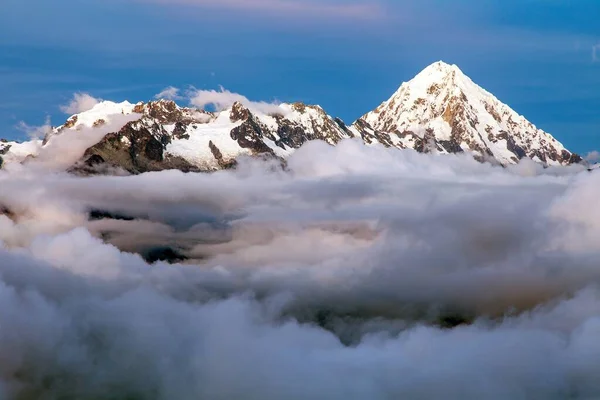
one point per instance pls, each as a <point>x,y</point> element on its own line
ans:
<point>440,111</point>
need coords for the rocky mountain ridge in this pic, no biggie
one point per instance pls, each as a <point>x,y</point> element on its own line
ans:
<point>439,111</point>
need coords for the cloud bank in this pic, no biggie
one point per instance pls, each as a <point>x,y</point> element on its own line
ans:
<point>356,272</point>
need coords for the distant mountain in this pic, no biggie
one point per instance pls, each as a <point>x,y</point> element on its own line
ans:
<point>167,136</point>
<point>440,111</point>
<point>162,135</point>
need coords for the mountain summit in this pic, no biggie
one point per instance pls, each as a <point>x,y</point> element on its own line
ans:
<point>442,110</point>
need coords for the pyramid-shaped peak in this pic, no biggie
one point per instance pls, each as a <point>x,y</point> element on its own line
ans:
<point>444,105</point>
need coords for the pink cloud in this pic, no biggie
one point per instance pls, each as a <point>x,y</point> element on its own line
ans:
<point>346,9</point>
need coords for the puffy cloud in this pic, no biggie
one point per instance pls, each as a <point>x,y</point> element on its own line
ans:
<point>81,102</point>
<point>356,272</point>
<point>223,99</point>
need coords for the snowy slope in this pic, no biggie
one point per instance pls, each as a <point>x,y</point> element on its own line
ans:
<point>445,109</point>
<point>98,115</point>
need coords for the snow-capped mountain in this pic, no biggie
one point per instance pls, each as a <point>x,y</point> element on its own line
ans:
<point>169,136</point>
<point>442,110</point>
<point>162,135</point>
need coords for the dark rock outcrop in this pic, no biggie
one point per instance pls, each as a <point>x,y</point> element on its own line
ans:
<point>7,212</point>
<point>224,164</point>
<point>166,254</point>
<point>239,112</point>
<point>250,135</point>
<point>136,148</point>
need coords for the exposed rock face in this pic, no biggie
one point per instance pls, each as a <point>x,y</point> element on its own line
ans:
<point>224,164</point>
<point>135,148</point>
<point>239,113</point>
<point>250,134</point>
<point>443,107</point>
<point>167,136</point>
<point>140,145</point>
<point>4,148</point>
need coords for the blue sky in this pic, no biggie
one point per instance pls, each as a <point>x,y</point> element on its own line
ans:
<point>348,56</point>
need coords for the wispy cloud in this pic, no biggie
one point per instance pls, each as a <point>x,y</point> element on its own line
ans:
<point>593,156</point>
<point>223,99</point>
<point>35,132</point>
<point>595,52</point>
<point>170,93</point>
<point>342,8</point>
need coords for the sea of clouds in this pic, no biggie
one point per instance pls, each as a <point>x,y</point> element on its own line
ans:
<point>354,273</point>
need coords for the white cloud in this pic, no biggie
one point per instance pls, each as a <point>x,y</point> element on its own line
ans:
<point>353,267</point>
<point>35,132</point>
<point>169,93</point>
<point>223,99</point>
<point>218,99</point>
<point>81,102</point>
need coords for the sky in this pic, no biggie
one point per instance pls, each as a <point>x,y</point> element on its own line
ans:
<point>541,57</point>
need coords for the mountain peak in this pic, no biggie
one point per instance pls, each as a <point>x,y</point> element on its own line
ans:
<point>441,74</point>
<point>442,110</point>
<point>439,71</point>
<point>441,66</point>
